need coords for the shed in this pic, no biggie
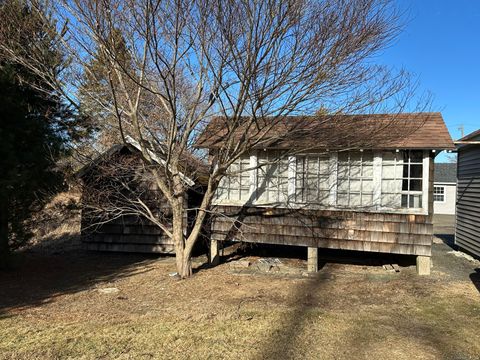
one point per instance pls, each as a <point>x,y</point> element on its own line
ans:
<point>110,182</point>
<point>365,184</point>
<point>467,232</point>
<point>445,188</point>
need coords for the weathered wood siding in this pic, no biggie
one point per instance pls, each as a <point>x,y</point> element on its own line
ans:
<point>127,233</point>
<point>348,230</point>
<point>112,185</point>
<point>137,234</point>
<point>401,232</point>
<point>467,231</point>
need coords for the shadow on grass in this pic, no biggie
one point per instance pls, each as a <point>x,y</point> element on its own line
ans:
<point>447,239</point>
<point>475,278</point>
<point>333,256</point>
<point>423,328</point>
<point>281,342</point>
<point>38,277</point>
<point>417,335</point>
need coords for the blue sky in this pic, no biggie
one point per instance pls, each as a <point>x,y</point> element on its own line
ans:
<point>441,45</point>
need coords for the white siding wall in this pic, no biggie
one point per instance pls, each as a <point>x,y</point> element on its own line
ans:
<point>447,207</point>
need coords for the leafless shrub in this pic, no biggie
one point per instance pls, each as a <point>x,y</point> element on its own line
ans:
<point>247,63</point>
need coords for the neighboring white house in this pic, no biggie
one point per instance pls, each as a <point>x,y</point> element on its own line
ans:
<point>445,188</point>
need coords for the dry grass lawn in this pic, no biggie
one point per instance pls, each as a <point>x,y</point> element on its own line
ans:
<point>51,308</point>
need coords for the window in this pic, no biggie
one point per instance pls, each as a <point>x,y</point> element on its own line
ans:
<point>402,179</point>
<point>387,180</point>
<point>272,178</point>
<point>312,179</point>
<point>235,185</point>
<point>412,179</point>
<point>392,176</point>
<point>355,179</point>
<point>439,193</point>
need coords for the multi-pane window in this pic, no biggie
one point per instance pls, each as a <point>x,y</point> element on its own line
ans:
<point>402,179</point>
<point>347,179</point>
<point>272,178</point>
<point>235,185</point>
<point>392,177</point>
<point>412,179</point>
<point>312,179</point>
<point>439,193</point>
<point>355,179</point>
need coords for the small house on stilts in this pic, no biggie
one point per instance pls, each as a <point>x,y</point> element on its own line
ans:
<point>352,182</point>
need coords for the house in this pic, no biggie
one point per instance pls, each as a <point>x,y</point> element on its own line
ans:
<point>352,182</point>
<point>467,231</point>
<point>445,188</point>
<point>110,221</point>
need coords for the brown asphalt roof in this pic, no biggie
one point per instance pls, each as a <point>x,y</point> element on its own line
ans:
<point>376,131</point>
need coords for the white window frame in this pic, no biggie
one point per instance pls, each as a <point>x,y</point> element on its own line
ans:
<point>360,178</point>
<point>444,194</point>
<point>321,178</point>
<point>408,193</point>
<point>333,187</point>
<point>377,178</point>
<point>257,199</point>
<point>333,178</point>
<point>227,179</point>
<point>426,181</point>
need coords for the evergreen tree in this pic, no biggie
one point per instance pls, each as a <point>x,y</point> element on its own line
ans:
<point>95,95</point>
<point>35,127</point>
<point>29,146</point>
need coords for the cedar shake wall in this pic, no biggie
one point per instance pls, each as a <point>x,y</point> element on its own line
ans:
<point>400,232</point>
<point>130,233</point>
<point>347,230</point>
<point>136,234</point>
<point>127,233</point>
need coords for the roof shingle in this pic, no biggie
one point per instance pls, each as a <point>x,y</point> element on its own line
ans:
<point>445,172</point>
<point>470,136</point>
<point>376,131</point>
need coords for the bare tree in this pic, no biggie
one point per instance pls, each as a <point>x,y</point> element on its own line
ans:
<point>248,64</point>
<point>451,158</point>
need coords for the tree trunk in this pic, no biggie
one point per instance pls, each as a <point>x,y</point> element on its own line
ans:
<point>184,263</point>
<point>182,254</point>
<point>4,247</point>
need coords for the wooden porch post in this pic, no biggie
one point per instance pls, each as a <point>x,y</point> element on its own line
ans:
<point>423,265</point>
<point>312,259</point>
<point>214,255</point>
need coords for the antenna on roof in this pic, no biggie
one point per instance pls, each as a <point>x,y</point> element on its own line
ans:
<point>462,129</point>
